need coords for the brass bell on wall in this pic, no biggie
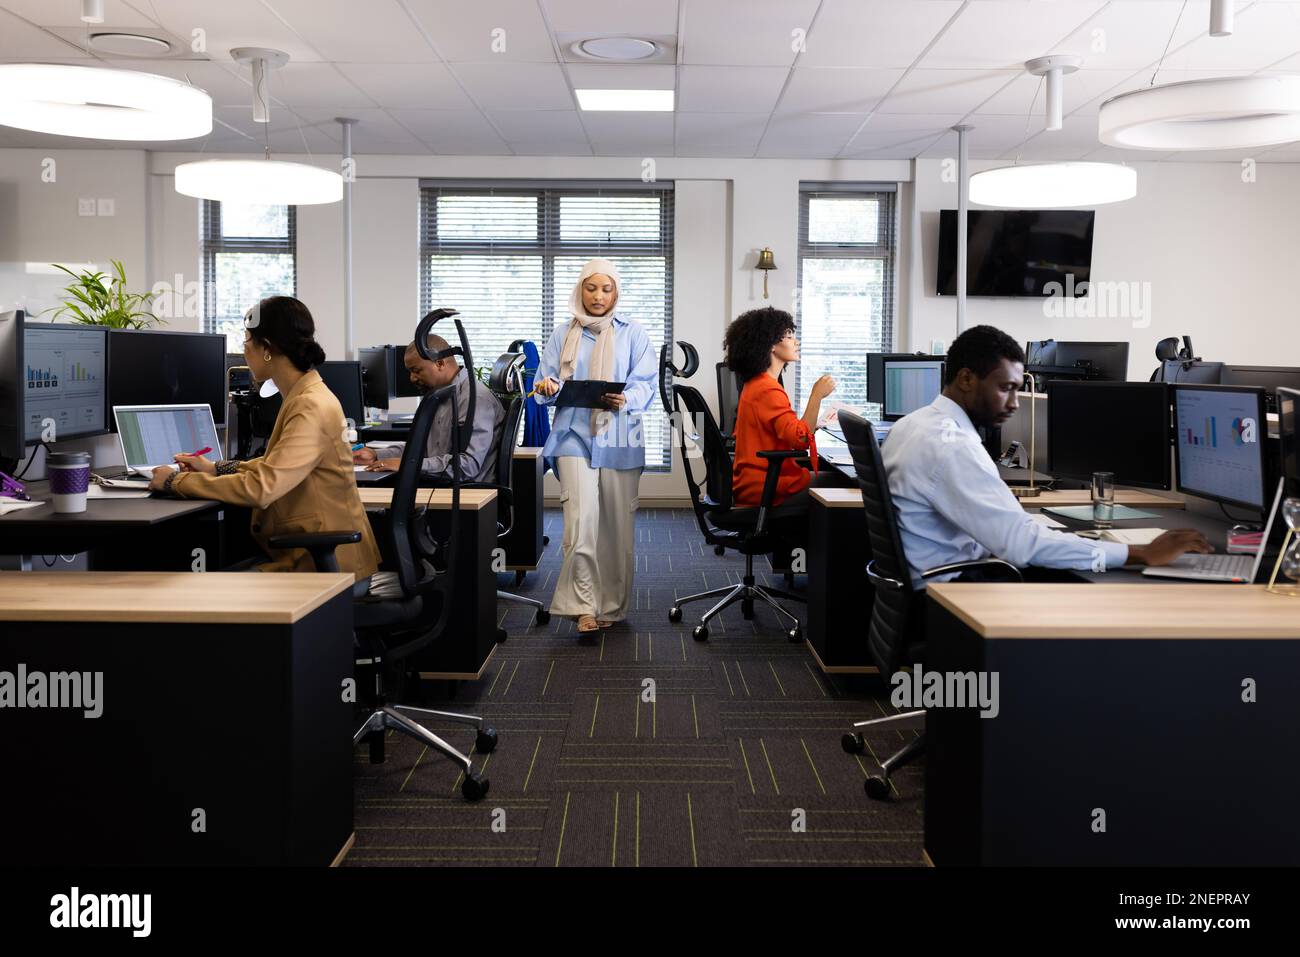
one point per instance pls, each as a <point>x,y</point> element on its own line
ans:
<point>766,263</point>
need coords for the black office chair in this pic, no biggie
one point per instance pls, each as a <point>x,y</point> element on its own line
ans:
<point>746,530</point>
<point>729,386</point>
<point>389,630</point>
<point>896,634</point>
<point>507,381</point>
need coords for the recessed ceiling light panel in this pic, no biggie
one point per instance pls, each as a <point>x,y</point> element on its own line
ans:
<point>625,49</point>
<point>626,100</point>
<point>117,43</point>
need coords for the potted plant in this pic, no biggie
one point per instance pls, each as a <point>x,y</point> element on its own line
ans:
<point>95,300</point>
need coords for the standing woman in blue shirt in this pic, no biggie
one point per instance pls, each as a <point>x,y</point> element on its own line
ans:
<point>599,453</point>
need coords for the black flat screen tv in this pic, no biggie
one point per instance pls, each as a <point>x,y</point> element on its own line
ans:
<point>1018,253</point>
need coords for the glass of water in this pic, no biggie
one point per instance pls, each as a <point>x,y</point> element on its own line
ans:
<point>1103,499</point>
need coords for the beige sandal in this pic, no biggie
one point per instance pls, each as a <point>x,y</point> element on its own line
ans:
<point>586,624</point>
<point>605,624</point>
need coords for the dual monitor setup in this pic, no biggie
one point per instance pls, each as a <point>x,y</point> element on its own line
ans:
<point>153,386</point>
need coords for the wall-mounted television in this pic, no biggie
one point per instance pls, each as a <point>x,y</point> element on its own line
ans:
<point>1012,252</point>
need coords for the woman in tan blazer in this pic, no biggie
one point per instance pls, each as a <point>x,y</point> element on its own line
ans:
<point>305,481</point>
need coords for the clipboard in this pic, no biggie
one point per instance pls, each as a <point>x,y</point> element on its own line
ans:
<point>586,393</point>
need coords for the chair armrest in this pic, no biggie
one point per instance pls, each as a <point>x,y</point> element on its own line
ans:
<point>1011,571</point>
<point>320,545</point>
<point>775,459</point>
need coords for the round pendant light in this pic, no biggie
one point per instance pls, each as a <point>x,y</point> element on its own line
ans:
<point>1239,112</point>
<point>101,104</point>
<point>1053,185</point>
<point>260,182</point>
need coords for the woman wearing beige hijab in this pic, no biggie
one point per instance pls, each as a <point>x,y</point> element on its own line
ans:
<point>599,453</point>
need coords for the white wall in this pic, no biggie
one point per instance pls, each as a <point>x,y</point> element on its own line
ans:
<point>1216,255</point>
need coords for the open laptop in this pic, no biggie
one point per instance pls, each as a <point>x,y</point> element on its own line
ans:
<point>1237,569</point>
<point>149,435</point>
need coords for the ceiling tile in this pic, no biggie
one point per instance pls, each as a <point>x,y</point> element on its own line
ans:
<point>945,91</point>
<point>836,90</point>
<point>67,13</point>
<point>747,33</point>
<point>809,134</point>
<point>730,89</point>
<point>21,41</point>
<point>312,85</point>
<point>408,86</point>
<point>541,129</point>
<point>612,17</point>
<point>220,82</point>
<point>463,32</point>
<point>230,24</point>
<point>1003,34</point>
<point>1079,91</point>
<point>1130,34</point>
<point>719,134</point>
<point>630,134</point>
<point>515,86</point>
<point>463,132</point>
<point>1263,34</point>
<point>622,76</point>
<point>380,31</point>
<point>375,129</point>
<point>879,33</point>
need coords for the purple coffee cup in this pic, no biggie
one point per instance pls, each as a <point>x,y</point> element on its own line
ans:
<point>69,474</point>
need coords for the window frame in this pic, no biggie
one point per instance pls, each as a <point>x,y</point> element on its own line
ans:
<point>212,243</point>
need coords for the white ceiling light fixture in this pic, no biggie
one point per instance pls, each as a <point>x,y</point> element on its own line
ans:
<point>624,49</point>
<point>1053,185</point>
<point>264,182</point>
<point>102,104</point>
<point>660,101</point>
<point>1223,113</point>
<point>118,43</point>
<point>1236,112</point>
<point>92,11</point>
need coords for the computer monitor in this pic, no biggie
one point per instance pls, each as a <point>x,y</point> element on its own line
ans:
<point>13,446</point>
<point>150,435</point>
<point>344,379</point>
<point>1193,371</point>
<point>910,384</point>
<point>1050,360</point>
<point>876,377</point>
<point>63,380</point>
<point>1219,437</point>
<point>147,367</point>
<point>1288,434</point>
<point>403,387</point>
<point>375,376</point>
<point>1268,378</point>
<point>1119,427</point>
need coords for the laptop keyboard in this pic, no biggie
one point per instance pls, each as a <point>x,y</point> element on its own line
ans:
<point>1219,565</point>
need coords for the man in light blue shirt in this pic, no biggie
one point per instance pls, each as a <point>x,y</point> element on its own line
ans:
<point>952,505</point>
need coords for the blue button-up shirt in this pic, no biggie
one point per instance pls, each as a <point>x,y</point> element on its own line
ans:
<point>622,444</point>
<point>953,506</point>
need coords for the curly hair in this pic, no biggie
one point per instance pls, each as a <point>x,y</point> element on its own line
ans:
<point>749,340</point>
<point>980,349</point>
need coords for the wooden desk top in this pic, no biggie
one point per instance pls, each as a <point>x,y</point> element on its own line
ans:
<point>471,499</point>
<point>1128,611</point>
<point>852,498</point>
<point>236,598</point>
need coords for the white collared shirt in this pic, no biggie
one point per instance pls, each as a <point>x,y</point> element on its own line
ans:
<point>953,506</point>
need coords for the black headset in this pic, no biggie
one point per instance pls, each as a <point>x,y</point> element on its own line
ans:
<point>449,391</point>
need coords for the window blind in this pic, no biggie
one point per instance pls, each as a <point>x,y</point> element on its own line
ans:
<point>847,248</point>
<point>507,256</point>
<point>249,253</point>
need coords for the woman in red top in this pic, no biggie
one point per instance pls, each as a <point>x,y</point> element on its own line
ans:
<point>758,345</point>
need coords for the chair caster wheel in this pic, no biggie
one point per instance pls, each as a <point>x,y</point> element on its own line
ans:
<point>853,743</point>
<point>520,575</point>
<point>542,617</point>
<point>877,788</point>
<point>501,636</point>
<point>700,633</point>
<point>546,539</point>
<point>795,634</point>
<point>674,614</point>
<point>475,787</point>
<point>485,741</point>
<point>747,609</point>
<point>719,550</point>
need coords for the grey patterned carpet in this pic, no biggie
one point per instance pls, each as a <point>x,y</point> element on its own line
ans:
<point>740,745</point>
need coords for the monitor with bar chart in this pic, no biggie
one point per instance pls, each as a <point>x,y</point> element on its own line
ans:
<point>63,388</point>
<point>1220,437</point>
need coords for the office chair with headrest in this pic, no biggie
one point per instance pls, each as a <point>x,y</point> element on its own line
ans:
<point>507,380</point>
<point>389,630</point>
<point>896,633</point>
<point>746,530</point>
<point>729,386</point>
<point>668,370</point>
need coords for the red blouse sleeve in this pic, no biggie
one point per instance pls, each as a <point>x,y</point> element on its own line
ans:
<point>776,412</point>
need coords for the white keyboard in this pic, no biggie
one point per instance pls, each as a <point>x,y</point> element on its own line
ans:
<point>1218,568</point>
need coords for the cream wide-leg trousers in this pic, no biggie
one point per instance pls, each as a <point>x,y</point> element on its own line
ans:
<point>599,539</point>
